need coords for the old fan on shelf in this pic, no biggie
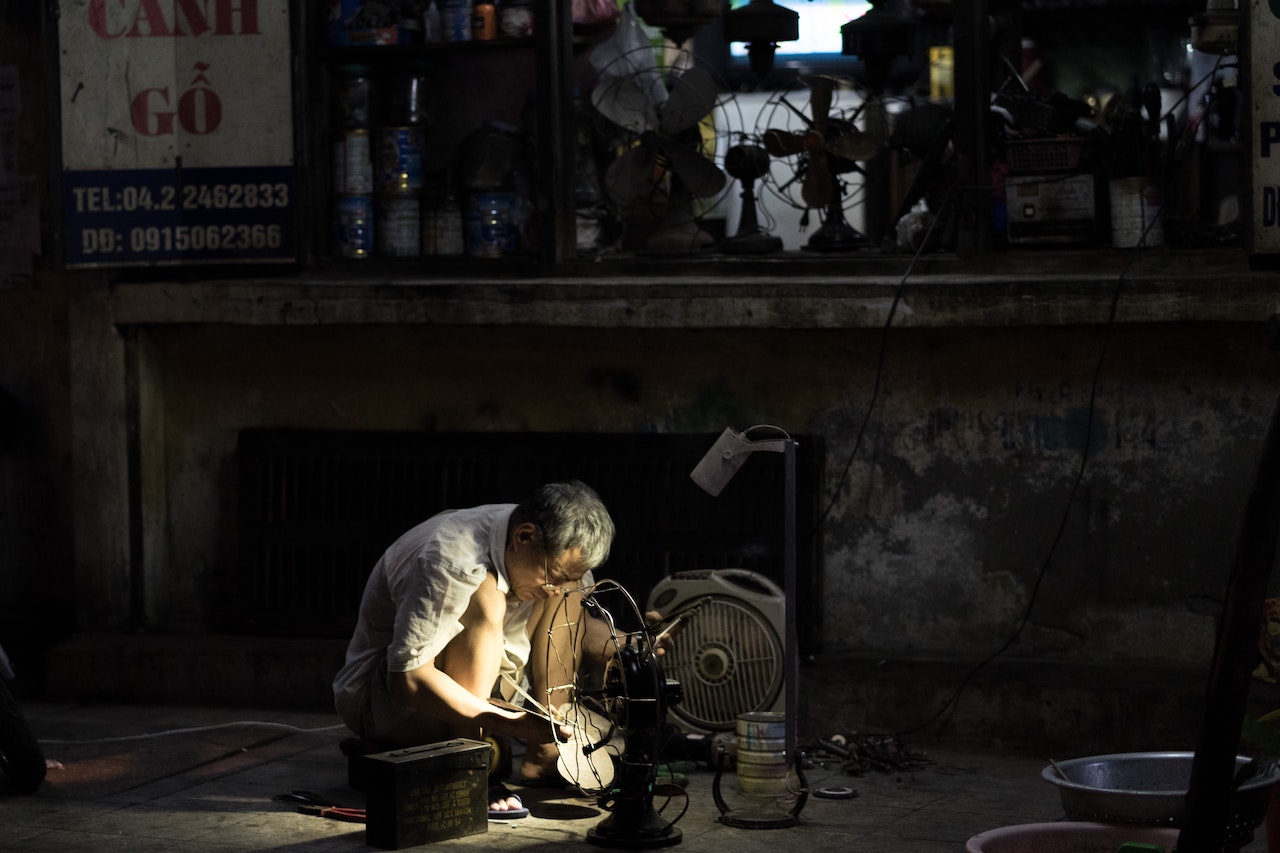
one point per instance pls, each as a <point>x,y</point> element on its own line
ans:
<point>826,145</point>
<point>663,165</point>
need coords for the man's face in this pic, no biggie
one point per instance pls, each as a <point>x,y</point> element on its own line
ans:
<point>534,573</point>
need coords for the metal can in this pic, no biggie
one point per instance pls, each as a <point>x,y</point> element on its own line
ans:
<point>455,20</point>
<point>397,226</point>
<point>490,230</point>
<point>484,21</point>
<point>352,163</point>
<point>353,226</point>
<point>398,161</point>
<point>352,95</point>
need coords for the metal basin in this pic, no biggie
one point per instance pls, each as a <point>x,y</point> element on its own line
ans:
<point>1150,788</point>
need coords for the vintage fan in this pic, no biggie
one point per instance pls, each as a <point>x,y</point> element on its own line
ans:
<point>617,714</point>
<point>663,164</point>
<point>748,162</point>
<point>826,145</point>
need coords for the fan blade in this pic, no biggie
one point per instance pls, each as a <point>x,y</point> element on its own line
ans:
<point>700,176</point>
<point>624,102</point>
<point>693,95</point>
<point>629,179</point>
<point>820,94</point>
<point>817,190</point>
<point>783,143</point>
<point>853,146</point>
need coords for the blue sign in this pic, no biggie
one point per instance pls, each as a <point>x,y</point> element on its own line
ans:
<point>157,216</point>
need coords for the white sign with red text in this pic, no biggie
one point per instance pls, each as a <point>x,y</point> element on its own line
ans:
<point>177,131</point>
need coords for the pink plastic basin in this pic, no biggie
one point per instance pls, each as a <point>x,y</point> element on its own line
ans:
<point>1068,837</point>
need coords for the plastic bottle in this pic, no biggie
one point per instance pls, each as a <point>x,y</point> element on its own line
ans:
<point>432,24</point>
<point>449,226</point>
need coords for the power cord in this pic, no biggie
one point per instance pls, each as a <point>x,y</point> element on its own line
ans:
<point>197,730</point>
<point>1071,496</point>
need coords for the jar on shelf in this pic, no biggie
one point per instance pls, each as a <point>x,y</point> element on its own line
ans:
<point>515,19</point>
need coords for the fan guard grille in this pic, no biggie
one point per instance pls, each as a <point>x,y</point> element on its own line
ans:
<point>728,660</point>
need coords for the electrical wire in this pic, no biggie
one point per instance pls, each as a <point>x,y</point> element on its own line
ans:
<point>1071,495</point>
<point>199,730</point>
<point>880,362</point>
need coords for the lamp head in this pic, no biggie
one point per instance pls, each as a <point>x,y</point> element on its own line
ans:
<point>761,24</point>
<point>718,465</point>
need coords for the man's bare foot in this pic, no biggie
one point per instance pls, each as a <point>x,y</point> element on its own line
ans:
<point>539,766</point>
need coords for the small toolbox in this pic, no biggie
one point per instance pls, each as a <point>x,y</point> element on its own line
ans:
<point>426,793</point>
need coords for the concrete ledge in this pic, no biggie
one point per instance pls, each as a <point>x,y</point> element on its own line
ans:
<point>1061,709</point>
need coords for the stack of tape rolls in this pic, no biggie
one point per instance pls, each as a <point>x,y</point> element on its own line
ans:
<point>762,753</point>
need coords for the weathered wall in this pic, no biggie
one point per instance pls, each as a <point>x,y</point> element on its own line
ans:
<point>36,593</point>
<point>950,505</point>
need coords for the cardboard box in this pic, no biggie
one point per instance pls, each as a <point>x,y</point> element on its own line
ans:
<point>427,793</point>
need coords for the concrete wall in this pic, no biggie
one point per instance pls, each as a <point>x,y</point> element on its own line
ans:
<point>937,533</point>
<point>37,602</point>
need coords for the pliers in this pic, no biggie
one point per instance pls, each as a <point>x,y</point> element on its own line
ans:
<point>314,804</point>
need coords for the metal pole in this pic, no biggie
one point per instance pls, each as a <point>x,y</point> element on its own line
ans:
<point>791,671</point>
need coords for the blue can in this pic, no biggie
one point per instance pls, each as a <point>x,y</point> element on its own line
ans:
<point>398,163</point>
<point>491,227</point>
<point>353,226</point>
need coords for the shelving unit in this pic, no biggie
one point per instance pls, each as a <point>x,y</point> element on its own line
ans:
<point>516,83</point>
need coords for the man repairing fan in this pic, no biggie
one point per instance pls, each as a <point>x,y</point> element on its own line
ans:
<point>459,600</point>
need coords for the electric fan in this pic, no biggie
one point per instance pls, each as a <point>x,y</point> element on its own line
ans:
<point>748,163</point>
<point>616,720</point>
<point>663,164</point>
<point>728,654</point>
<point>823,142</point>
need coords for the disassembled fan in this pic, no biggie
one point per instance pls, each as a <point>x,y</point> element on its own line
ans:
<point>826,146</point>
<point>617,720</point>
<point>664,164</point>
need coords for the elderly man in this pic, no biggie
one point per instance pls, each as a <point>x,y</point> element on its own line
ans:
<point>464,597</point>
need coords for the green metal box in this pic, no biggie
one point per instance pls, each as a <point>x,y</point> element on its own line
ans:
<point>426,793</point>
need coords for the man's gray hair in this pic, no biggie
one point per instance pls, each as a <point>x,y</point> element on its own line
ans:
<point>570,515</point>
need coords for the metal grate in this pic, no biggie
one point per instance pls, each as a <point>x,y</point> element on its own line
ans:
<point>317,508</point>
<point>728,661</point>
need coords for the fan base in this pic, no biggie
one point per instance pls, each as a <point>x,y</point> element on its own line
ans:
<point>836,235</point>
<point>740,820</point>
<point>650,832</point>
<point>758,243</point>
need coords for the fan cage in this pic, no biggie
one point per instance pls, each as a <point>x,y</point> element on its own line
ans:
<point>728,660</point>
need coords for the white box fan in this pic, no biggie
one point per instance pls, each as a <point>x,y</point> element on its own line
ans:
<point>728,651</point>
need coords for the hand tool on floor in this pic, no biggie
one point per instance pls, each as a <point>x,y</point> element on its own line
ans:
<point>314,804</point>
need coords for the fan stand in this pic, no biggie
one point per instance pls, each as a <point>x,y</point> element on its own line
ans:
<point>634,823</point>
<point>744,163</point>
<point>757,818</point>
<point>836,234</point>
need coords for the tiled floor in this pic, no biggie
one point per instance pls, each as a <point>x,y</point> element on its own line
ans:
<point>203,779</point>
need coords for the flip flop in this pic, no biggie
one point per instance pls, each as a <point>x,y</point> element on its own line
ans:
<point>498,791</point>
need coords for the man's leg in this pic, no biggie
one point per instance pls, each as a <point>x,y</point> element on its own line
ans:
<point>555,635</point>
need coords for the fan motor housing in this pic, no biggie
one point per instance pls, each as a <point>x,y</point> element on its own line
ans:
<point>728,655</point>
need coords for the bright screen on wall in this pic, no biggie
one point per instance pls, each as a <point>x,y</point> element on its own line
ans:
<point>820,23</point>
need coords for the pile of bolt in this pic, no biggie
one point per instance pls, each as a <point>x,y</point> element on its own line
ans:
<point>860,753</point>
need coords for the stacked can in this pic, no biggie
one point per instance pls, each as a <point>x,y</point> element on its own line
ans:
<point>398,159</point>
<point>353,220</point>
